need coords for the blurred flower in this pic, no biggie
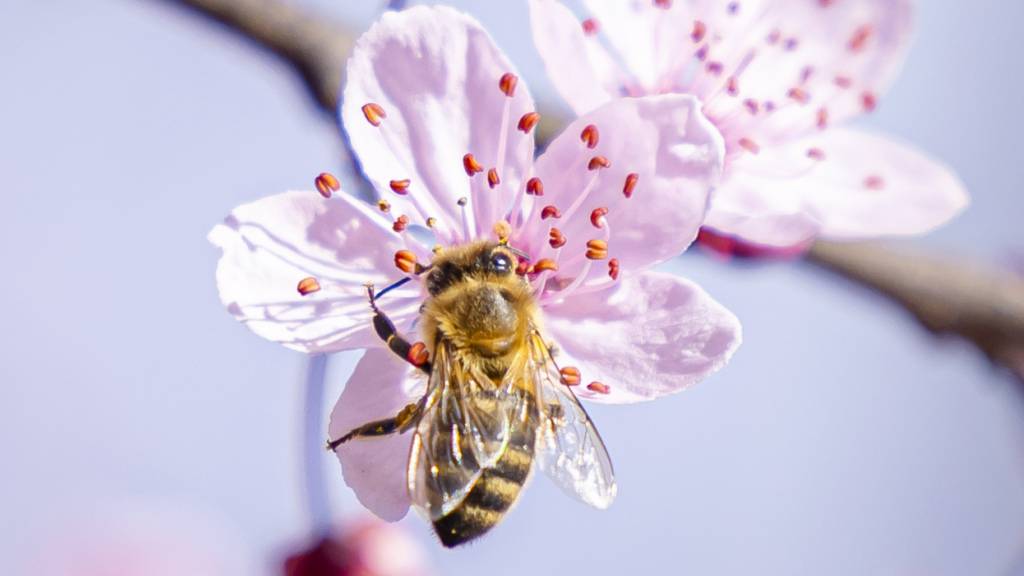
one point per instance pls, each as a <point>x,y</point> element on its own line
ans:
<point>777,78</point>
<point>369,548</point>
<point>441,125</point>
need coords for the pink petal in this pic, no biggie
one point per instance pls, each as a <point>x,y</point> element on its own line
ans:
<point>653,334</point>
<point>582,71</point>
<point>676,156</point>
<point>856,186</point>
<point>272,244</point>
<point>375,468</point>
<point>435,72</point>
<point>646,38</point>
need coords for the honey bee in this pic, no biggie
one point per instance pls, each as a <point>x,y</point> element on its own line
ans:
<point>496,402</point>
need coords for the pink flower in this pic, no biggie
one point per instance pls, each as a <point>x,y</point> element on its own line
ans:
<point>777,78</point>
<point>441,126</point>
<point>368,548</point>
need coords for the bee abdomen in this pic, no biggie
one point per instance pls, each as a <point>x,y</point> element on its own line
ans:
<point>492,495</point>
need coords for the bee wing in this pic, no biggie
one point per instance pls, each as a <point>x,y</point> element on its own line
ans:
<point>466,425</point>
<point>569,448</point>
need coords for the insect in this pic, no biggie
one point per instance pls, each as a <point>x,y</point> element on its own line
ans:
<point>496,402</point>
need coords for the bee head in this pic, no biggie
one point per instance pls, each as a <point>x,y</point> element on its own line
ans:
<point>482,261</point>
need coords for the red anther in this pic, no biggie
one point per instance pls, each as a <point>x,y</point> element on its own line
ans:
<point>374,113</point>
<point>597,249</point>
<point>528,121</point>
<point>749,145</point>
<point>631,179</point>
<point>790,44</point>
<point>522,267</point>
<point>822,119</point>
<point>597,216</point>
<point>816,154</point>
<point>550,211</point>
<point>400,186</point>
<point>326,184</point>
<point>400,223</point>
<point>826,3</point>
<point>874,182</point>
<point>666,4</point>
<point>698,31</point>
<point>843,82</point>
<point>534,187</point>
<point>555,238</point>
<point>732,86</point>
<point>543,265</point>
<point>860,38</point>
<point>405,260</point>
<point>570,375</point>
<point>869,101</point>
<point>471,165</point>
<point>598,162</point>
<point>752,106</point>
<point>383,205</point>
<point>613,268</point>
<point>599,388</point>
<point>590,26</point>
<point>714,67</point>
<point>492,178</point>
<point>798,94</point>
<point>308,285</point>
<point>418,354</point>
<point>774,36</point>
<point>508,84</point>
<point>702,53</point>
<point>590,136</point>
<point>806,74</point>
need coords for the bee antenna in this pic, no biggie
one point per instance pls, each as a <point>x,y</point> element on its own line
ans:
<point>398,284</point>
<point>519,253</point>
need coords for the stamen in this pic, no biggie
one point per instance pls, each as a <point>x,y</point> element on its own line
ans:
<point>816,154</point>
<point>822,118</point>
<point>383,205</point>
<point>471,165</point>
<point>874,182</point>
<point>550,211</point>
<point>589,136</point>
<point>732,86</point>
<point>502,229</point>
<point>599,388</point>
<point>666,4</point>
<point>405,260</point>
<point>749,145</point>
<point>374,113</point>
<point>417,355</point>
<point>465,216</point>
<point>326,184</point>
<point>508,84</point>
<point>544,265</point>
<point>590,26</point>
<point>597,217</point>
<point>631,179</point>
<point>798,94</point>
<point>431,222</point>
<point>528,121</point>
<point>522,268</point>
<point>570,375</point>
<point>714,68</point>
<point>598,162</point>
<point>699,29</point>
<point>308,286</point>
<point>843,82</point>
<point>400,223</point>
<point>556,238</point>
<point>597,249</point>
<point>400,187</point>
<point>860,38</point>
<point>492,178</point>
<point>535,187</point>
<point>613,268</point>
<point>752,106</point>
<point>869,101</point>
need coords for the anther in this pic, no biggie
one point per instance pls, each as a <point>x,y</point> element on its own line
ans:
<point>752,106</point>
<point>431,222</point>
<point>869,101</point>
<point>508,84</point>
<point>590,26</point>
<point>405,261</point>
<point>374,113</point>
<point>749,145</point>
<point>589,136</point>
<point>400,186</point>
<point>732,86</point>
<point>492,178</point>
<point>699,29</point>
<point>534,187</point>
<point>326,184</point>
<point>471,165</point>
<point>598,162</point>
<point>400,223</point>
<point>383,205</point>
<point>843,82</point>
<point>522,268</point>
<point>631,179</point>
<point>860,38</point>
<point>569,375</point>
<point>597,249</point>
<point>462,201</point>
<point>702,53</point>
<point>874,182</point>
<point>599,388</point>
<point>666,4</point>
<point>613,268</point>
<point>555,238</point>
<point>597,217</point>
<point>528,121</point>
<point>798,94</point>
<point>308,285</point>
<point>822,119</point>
<point>714,67</point>
<point>816,154</point>
<point>502,229</point>
<point>543,265</point>
<point>550,211</point>
<point>417,355</point>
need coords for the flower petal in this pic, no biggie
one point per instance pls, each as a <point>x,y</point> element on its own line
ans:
<point>652,335</point>
<point>675,155</point>
<point>272,244</point>
<point>580,68</point>
<point>375,468</point>
<point>637,31</point>
<point>436,74</point>
<point>856,186</point>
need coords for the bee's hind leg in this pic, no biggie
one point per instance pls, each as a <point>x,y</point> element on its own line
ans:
<point>413,353</point>
<point>400,423</point>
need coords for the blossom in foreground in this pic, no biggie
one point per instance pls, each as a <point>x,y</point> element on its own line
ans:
<point>367,548</point>
<point>442,127</point>
<point>777,78</point>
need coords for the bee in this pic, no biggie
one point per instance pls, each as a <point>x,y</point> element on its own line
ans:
<point>496,402</point>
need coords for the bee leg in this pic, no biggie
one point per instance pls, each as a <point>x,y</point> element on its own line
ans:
<point>400,423</point>
<point>413,353</point>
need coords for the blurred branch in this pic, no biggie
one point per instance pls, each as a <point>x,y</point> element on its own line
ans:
<point>980,304</point>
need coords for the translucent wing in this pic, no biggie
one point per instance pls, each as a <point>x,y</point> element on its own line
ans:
<point>569,448</point>
<point>467,423</point>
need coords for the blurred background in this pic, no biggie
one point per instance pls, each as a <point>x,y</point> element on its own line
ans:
<point>842,439</point>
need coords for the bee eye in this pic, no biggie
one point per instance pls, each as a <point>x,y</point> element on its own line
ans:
<point>501,263</point>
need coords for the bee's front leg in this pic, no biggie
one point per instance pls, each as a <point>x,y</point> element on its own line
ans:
<point>405,419</point>
<point>413,353</point>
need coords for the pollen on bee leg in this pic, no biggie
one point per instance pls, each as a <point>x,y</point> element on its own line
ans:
<point>597,249</point>
<point>534,187</point>
<point>543,265</point>
<point>502,229</point>
<point>613,268</point>
<point>550,211</point>
<point>308,285</point>
<point>590,136</point>
<point>555,238</point>
<point>570,375</point>
<point>374,113</point>
<point>507,83</point>
<point>405,260</point>
<point>597,217</point>
<point>418,354</point>
<point>598,162</point>
<point>471,165</point>
<point>383,205</point>
<point>326,184</point>
<point>492,178</point>
<point>631,179</point>
<point>400,187</point>
<point>599,388</point>
<point>400,223</point>
<point>528,121</point>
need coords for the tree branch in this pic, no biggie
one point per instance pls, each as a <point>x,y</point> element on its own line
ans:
<point>983,305</point>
